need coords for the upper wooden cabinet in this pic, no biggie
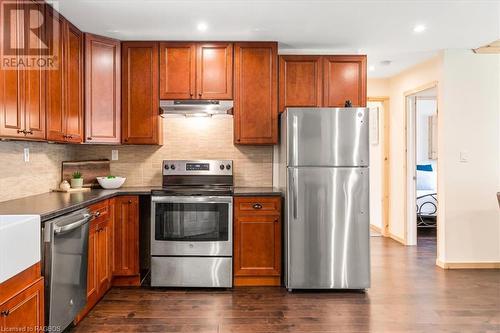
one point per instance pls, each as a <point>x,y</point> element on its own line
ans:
<point>256,91</point>
<point>344,79</point>
<point>301,81</point>
<point>64,103</point>
<point>196,70</point>
<point>140,88</point>
<point>22,91</point>
<point>102,89</point>
<point>322,81</point>
<point>177,70</point>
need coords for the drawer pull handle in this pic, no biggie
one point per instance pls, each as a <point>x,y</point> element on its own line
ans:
<point>5,313</point>
<point>257,206</point>
<point>97,214</point>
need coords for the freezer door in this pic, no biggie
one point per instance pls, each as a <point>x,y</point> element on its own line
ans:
<point>327,137</point>
<point>327,231</point>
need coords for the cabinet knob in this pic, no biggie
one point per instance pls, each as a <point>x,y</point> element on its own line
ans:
<point>257,206</point>
<point>276,220</point>
<point>5,313</point>
<point>130,201</point>
<point>199,94</point>
<point>191,94</point>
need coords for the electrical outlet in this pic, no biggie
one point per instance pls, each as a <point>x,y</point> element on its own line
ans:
<point>464,156</point>
<point>114,154</point>
<point>26,155</point>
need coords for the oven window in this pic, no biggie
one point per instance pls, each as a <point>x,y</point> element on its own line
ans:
<point>191,221</point>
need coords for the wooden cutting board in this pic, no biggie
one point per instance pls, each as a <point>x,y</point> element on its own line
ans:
<point>90,170</point>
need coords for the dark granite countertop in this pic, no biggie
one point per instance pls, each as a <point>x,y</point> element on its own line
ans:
<point>53,204</point>
<point>256,191</point>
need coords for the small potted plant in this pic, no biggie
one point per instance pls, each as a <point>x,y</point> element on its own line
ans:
<point>77,180</point>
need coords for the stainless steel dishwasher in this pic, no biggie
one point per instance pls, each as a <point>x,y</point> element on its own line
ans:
<point>65,267</point>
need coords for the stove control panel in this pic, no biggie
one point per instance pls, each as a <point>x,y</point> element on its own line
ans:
<point>200,167</point>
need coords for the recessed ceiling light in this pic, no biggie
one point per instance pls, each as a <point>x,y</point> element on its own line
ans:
<point>385,62</point>
<point>371,68</point>
<point>202,26</point>
<point>419,28</point>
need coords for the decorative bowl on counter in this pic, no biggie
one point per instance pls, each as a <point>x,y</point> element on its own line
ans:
<point>111,182</point>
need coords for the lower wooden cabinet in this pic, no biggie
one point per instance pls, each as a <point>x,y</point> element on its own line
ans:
<point>99,256</point>
<point>257,241</point>
<point>126,241</point>
<point>22,302</point>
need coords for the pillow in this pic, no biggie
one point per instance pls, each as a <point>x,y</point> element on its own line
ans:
<point>424,167</point>
<point>426,180</point>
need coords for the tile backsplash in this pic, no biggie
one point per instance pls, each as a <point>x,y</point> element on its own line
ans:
<point>184,138</point>
<point>39,175</point>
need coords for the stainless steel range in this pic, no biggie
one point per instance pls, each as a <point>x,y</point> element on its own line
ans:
<point>192,225</point>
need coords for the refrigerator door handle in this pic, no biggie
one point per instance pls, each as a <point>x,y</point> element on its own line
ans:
<point>294,193</point>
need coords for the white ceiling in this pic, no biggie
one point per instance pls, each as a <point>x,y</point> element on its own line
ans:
<point>382,29</point>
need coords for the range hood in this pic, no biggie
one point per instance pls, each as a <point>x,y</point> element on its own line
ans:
<point>195,108</point>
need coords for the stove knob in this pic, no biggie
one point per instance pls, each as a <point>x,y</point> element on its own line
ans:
<point>172,167</point>
<point>166,167</point>
<point>221,166</point>
<point>228,166</point>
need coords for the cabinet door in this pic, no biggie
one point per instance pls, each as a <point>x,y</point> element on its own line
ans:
<point>140,99</point>
<point>11,112</point>
<point>255,96</point>
<point>177,70</point>
<point>25,311</point>
<point>54,106</point>
<point>104,248</point>
<point>344,79</point>
<point>92,282</point>
<point>102,89</point>
<point>73,84</point>
<point>34,87</point>
<point>301,80</point>
<point>257,243</point>
<point>214,77</point>
<point>126,236</point>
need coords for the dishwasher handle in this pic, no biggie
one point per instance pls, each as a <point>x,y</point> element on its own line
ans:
<point>71,226</point>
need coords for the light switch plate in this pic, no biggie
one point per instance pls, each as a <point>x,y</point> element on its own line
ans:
<point>114,154</point>
<point>26,155</point>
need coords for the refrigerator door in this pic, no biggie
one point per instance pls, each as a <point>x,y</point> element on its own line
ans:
<point>327,231</point>
<point>327,136</point>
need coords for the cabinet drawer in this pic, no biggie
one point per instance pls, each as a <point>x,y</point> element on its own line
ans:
<point>258,205</point>
<point>100,210</point>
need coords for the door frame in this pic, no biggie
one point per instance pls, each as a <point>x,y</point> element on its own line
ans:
<point>410,222</point>
<point>385,169</point>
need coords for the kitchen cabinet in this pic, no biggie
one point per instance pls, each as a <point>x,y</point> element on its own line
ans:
<point>255,95</point>
<point>177,70</point>
<point>344,78</point>
<point>300,82</point>
<point>102,89</point>
<point>99,256</point>
<point>22,302</point>
<point>140,93</point>
<point>257,241</point>
<point>64,104</point>
<point>22,91</point>
<point>126,240</point>
<point>196,70</point>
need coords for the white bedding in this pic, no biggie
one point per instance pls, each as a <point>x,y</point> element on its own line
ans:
<point>427,203</point>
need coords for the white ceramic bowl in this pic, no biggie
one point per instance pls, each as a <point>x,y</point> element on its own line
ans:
<point>111,183</point>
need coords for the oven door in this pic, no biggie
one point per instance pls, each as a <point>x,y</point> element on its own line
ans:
<point>191,226</point>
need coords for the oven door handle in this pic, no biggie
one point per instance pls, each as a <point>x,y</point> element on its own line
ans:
<point>191,199</point>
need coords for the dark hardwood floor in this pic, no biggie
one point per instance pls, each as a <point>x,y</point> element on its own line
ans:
<point>408,294</point>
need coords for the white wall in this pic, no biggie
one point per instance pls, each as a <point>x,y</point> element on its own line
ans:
<point>376,161</point>
<point>469,121</point>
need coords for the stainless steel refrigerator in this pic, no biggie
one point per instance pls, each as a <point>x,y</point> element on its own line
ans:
<point>324,170</point>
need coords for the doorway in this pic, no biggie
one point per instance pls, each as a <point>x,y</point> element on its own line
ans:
<point>421,165</point>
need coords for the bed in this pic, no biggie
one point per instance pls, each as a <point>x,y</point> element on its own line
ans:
<point>426,202</point>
